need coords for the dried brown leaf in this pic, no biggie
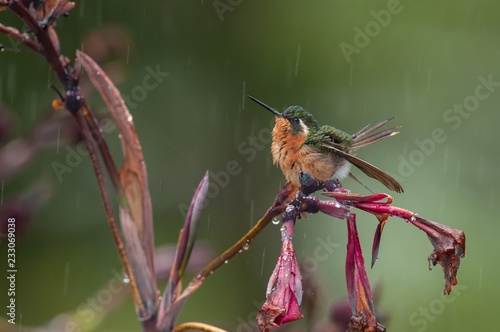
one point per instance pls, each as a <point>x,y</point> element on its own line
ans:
<point>133,174</point>
<point>138,261</point>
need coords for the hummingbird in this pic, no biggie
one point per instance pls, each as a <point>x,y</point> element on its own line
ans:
<point>300,144</point>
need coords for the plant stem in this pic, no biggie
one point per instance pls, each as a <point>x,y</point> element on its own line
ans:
<point>14,33</point>
<point>84,118</point>
<point>276,208</point>
<point>105,153</point>
<point>149,325</point>
<point>108,208</point>
<point>48,49</point>
<point>197,326</point>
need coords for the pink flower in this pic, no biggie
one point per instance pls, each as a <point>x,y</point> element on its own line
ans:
<point>358,287</point>
<point>284,290</point>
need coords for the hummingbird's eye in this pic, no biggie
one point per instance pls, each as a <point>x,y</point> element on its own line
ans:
<point>295,120</point>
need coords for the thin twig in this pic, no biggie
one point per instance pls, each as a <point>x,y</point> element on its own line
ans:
<point>238,246</point>
<point>105,153</point>
<point>14,33</point>
<point>197,326</point>
<point>245,241</point>
<point>167,316</point>
<point>43,38</point>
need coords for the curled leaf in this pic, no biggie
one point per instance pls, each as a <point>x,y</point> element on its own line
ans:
<point>376,241</point>
<point>449,248</point>
<point>185,245</point>
<point>192,223</point>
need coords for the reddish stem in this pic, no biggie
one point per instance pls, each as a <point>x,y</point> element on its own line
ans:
<point>108,207</point>
<point>48,50</point>
<point>14,33</point>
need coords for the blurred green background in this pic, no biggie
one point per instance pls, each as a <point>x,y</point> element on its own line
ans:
<point>416,63</point>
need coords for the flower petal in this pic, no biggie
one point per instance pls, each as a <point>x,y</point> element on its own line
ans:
<point>449,248</point>
<point>358,287</point>
<point>284,290</point>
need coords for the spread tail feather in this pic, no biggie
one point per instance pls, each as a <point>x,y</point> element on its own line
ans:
<point>364,137</point>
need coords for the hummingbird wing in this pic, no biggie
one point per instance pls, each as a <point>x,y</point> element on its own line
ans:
<point>330,136</point>
<point>370,170</point>
<point>330,139</point>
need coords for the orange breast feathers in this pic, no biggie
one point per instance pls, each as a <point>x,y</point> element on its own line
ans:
<point>293,156</point>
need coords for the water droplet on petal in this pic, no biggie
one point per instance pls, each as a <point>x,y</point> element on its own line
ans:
<point>126,279</point>
<point>276,221</point>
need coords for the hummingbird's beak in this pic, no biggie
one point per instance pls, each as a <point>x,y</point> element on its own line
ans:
<point>275,112</point>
